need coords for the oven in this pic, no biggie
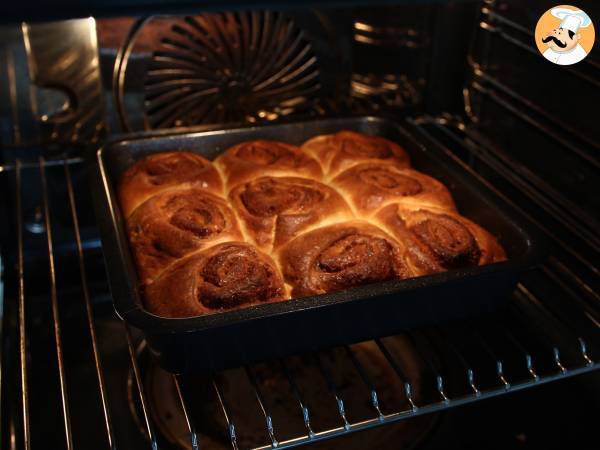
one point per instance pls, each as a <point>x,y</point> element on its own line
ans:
<point>463,77</point>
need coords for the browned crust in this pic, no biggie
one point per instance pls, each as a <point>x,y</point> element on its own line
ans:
<point>220,278</point>
<point>248,160</point>
<point>441,240</point>
<point>370,186</point>
<point>175,223</point>
<point>341,256</point>
<point>162,171</point>
<point>340,151</point>
<point>276,209</point>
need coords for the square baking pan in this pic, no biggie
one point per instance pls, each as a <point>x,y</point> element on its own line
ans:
<point>260,332</point>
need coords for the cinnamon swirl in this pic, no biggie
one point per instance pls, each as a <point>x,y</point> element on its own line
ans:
<point>175,223</point>
<point>341,256</point>
<point>439,241</point>
<point>369,186</point>
<point>342,150</point>
<point>275,209</point>
<point>223,277</point>
<point>252,159</point>
<point>162,171</point>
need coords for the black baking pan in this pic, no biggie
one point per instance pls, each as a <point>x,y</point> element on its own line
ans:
<point>259,332</point>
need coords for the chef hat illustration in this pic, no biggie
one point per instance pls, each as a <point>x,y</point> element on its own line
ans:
<point>571,19</point>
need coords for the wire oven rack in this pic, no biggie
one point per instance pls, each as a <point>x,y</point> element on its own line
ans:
<point>566,326</point>
<point>550,330</point>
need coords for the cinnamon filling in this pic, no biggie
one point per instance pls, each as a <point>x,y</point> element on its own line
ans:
<point>196,214</point>
<point>270,197</point>
<point>235,276</point>
<point>449,240</point>
<point>359,145</point>
<point>201,222</point>
<point>356,259</point>
<point>396,183</point>
<point>172,167</point>
<point>266,153</point>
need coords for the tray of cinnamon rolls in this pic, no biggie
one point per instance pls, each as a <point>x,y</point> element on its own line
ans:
<point>230,246</point>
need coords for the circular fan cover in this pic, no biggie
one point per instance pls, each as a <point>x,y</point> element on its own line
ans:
<point>230,67</point>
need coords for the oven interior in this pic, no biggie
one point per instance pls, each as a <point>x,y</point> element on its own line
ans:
<point>464,77</point>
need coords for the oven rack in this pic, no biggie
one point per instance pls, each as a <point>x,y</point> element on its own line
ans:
<point>549,339</point>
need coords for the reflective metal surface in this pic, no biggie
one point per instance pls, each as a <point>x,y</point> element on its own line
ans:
<point>64,67</point>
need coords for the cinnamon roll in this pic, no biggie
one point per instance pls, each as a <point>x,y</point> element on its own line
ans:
<point>162,171</point>
<point>175,223</point>
<point>252,159</point>
<point>369,186</point>
<point>376,220</point>
<point>342,150</point>
<point>439,241</point>
<point>341,256</point>
<point>220,278</point>
<point>275,209</point>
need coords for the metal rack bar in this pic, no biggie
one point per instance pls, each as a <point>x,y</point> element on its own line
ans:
<point>55,310</point>
<point>466,365</point>
<point>186,413</point>
<point>22,313</point>
<point>590,159</point>
<point>499,18</point>
<point>333,389</point>
<point>537,109</point>
<point>586,309</point>
<point>296,392</point>
<point>35,165</point>
<point>230,424</point>
<point>140,387</point>
<point>529,301</point>
<point>424,345</point>
<point>88,309</point>
<point>403,377</point>
<point>492,354</point>
<point>366,379</point>
<point>521,348</point>
<point>558,266</point>
<point>433,407</point>
<point>263,407</point>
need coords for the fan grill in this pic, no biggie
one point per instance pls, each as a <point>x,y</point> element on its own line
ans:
<point>229,67</point>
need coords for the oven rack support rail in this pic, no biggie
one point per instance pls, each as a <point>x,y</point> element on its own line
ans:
<point>526,305</point>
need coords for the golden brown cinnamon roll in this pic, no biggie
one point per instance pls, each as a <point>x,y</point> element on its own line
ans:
<point>275,209</point>
<point>175,223</point>
<point>341,256</point>
<point>163,171</point>
<point>438,241</point>
<point>369,186</point>
<point>252,159</point>
<point>342,150</point>
<point>227,276</point>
